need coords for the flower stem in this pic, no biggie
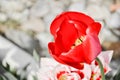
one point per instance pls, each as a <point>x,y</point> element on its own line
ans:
<point>101,68</point>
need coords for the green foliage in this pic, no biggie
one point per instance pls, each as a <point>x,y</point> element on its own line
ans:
<point>117,76</point>
<point>36,56</point>
<point>35,78</point>
<point>2,77</point>
<point>7,74</point>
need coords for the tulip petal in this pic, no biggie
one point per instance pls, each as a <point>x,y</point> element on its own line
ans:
<point>105,58</point>
<point>94,28</point>
<point>80,26</point>
<point>93,47</point>
<point>74,56</point>
<point>76,65</point>
<point>53,49</point>
<point>69,15</point>
<point>55,52</point>
<point>85,52</point>
<point>66,36</point>
<point>106,55</point>
<point>80,17</point>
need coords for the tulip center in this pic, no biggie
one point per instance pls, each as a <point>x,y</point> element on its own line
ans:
<point>78,42</point>
<point>62,77</point>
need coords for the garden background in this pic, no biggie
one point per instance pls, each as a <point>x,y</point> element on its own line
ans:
<point>24,31</point>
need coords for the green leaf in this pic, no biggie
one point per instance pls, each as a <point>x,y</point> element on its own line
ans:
<point>7,67</point>
<point>35,78</point>
<point>117,75</point>
<point>36,56</point>
<point>5,74</point>
<point>9,76</point>
<point>25,68</point>
<point>2,77</point>
<point>101,68</point>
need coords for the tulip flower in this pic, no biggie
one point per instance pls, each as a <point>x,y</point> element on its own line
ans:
<point>75,39</point>
<point>52,70</point>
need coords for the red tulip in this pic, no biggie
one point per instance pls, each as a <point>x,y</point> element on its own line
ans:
<point>75,39</point>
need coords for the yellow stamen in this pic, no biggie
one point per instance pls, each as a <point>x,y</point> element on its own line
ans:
<point>62,77</point>
<point>78,42</point>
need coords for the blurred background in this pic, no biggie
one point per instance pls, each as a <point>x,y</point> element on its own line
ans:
<point>24,31</point>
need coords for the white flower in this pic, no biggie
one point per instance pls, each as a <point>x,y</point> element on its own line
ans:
<point>52,70</point>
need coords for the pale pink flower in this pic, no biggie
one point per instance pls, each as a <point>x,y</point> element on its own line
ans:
<point>63,72</point>
<point>52,70</point>
<point>105,57</point>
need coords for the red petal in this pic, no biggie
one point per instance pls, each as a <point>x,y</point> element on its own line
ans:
<point>94,28</point>
<point>85,52</point>
<point>76,65</point>
<point>75,55</point>
<point>80,17</point>
<point>94,47</point>
<point>66,36</point>
<point>80,26</point>
<point>70,16</point>
<point>54,51</point>
<point>56,24</point>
